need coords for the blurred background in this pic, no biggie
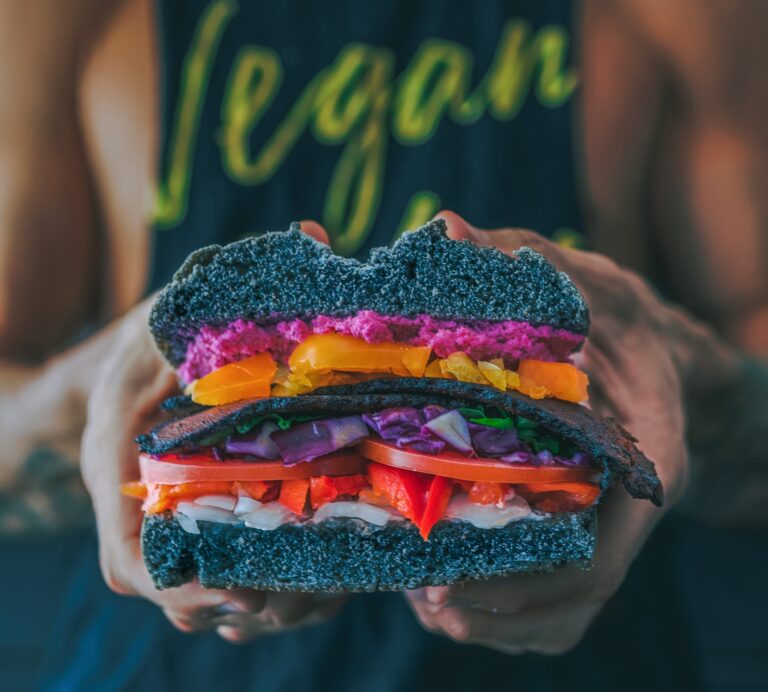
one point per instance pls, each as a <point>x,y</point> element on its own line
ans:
<point>135,131</point>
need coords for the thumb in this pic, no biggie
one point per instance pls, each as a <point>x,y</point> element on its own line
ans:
<point>457,228</point>
<point>314,229</point>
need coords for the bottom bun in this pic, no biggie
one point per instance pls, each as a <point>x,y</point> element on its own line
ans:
<point>350,555</point>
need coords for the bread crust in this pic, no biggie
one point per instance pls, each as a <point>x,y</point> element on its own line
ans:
<point>350,555</point>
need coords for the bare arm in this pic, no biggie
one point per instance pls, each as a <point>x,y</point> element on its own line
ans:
<point>48,250</point>
<point>689,94</point>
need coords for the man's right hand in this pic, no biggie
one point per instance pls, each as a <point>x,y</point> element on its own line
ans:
<point>124,403</point>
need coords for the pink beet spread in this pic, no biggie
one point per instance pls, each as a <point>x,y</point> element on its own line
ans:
<point>213,347</point>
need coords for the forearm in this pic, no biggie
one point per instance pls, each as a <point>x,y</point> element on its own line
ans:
<point>42,416</point>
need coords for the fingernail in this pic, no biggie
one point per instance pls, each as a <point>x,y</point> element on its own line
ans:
<point>437,595</point>
<point>229,608</point>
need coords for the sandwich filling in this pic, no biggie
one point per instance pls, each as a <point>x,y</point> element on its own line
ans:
<point>403,464</point>
<point>330,359</point>
<point>215,346</point>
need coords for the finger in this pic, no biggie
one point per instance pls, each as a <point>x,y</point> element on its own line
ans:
<point>513,594</point>
<point>288,609</point>
<point>505,239</point>
<point>281,615</point>
<point>194,615</point>
<point>554,631</point>
<point>316,230</point>
<point>456,227</point>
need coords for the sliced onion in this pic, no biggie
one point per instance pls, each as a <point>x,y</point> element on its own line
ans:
<point>259,445</point>
<point>203,513</point>
<point>268,517</point>
<point>221,501</point>
<point>246,504</point>
<point>545,457</point>
<point>378,516</point>
<point>487,516</point>
<point>578,459</point>
<point>519,458</point>
<point>187,523</point>
<point>452,428</point>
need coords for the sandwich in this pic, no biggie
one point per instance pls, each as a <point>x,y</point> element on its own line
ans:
<point>412,420</point>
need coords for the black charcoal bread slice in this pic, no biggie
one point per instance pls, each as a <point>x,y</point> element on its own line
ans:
<point>289,274</point>
<point>610,444</point>
<point>349,555</point>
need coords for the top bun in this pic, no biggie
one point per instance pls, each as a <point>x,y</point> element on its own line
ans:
<point>289,274</point>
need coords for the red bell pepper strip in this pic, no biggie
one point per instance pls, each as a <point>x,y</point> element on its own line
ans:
<point>559,497</point>
<point>324,489</point>
<point>350,485</point>
<point>405,490</point>
<point>321,490</point>
<point>485,493</point>
<point>440,491</point>
<point>293,494</point>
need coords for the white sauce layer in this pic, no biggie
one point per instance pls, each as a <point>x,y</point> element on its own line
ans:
<point>487,516</point>
<point>271,515</point>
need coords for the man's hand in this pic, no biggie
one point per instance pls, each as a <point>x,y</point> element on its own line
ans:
<point>124,403</point>
<point>634,360</point>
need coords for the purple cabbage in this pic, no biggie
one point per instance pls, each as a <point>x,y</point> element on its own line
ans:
<point>578,459</point>
<point>421,443</point>
<point>259,445</point>
<point>433,427</point>
<point>312,439</point>
<point>491,442</point>
<point>402,426</point>
<point>432,411</point>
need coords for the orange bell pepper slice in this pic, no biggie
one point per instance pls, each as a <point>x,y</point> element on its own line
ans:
<point>136,489</point>
<point>344,353</point>
<point>254,489</point>
<point>293,494</point>
<point>199,488</point>
<point>539,378</point>
<point>245,379</point>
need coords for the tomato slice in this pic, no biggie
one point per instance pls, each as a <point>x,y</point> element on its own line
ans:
<point>173,469</point>
<point>464,468</point>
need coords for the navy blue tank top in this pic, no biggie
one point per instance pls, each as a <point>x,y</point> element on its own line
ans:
<point>368,116</point>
